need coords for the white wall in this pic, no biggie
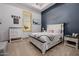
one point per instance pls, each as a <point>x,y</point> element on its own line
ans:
<point>7,10</point>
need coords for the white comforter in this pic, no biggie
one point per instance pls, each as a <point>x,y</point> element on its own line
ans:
<point>48,43</point>
<point>45,33</point>
<point>45,38</point>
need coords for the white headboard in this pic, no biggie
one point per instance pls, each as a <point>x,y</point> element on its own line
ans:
<point>55,27</point>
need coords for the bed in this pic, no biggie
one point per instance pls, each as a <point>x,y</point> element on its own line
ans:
<point>46,40</point>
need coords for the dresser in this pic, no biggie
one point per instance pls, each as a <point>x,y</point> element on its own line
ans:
<point>71,41</point>
<point>15,32</point>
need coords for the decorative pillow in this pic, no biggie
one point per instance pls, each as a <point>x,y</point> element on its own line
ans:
<point>52,31</point>
<point>57,31</point>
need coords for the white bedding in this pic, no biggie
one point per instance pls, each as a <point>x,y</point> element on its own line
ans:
<point>45,34</point>
<point>48,43</point>
<point>53,31</point>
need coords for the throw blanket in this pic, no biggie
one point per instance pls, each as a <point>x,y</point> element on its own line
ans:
<point>43,38</point>
<point>48,36</point>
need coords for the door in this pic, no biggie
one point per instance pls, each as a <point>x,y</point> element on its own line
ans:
<point>1,32</point>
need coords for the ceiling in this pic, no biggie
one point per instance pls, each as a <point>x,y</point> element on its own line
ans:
<point>38,6</point>
<point>34,6</point>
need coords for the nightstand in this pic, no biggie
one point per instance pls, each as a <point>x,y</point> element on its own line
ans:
<point>71,41</point>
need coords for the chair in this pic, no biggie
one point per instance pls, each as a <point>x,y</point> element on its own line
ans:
<point>3,48</point>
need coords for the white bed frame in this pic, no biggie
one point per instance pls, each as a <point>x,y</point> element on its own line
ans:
<point>56,27</point>
<point>43,46</point>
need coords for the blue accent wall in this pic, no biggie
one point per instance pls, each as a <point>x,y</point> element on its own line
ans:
<point>67,13</point>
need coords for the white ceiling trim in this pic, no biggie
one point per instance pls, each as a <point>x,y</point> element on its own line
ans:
<point>47,6</point>
<point>39,8</point>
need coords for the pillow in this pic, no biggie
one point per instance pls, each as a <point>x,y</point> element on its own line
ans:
<point>57,31</point>
<point>44,39</point>
<point>51,31</point>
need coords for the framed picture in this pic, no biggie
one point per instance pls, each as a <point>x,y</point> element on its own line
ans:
<point>15,19</point>
<point>27,24</point>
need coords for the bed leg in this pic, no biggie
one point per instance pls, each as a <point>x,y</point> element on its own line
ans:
<point>43,52</point>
